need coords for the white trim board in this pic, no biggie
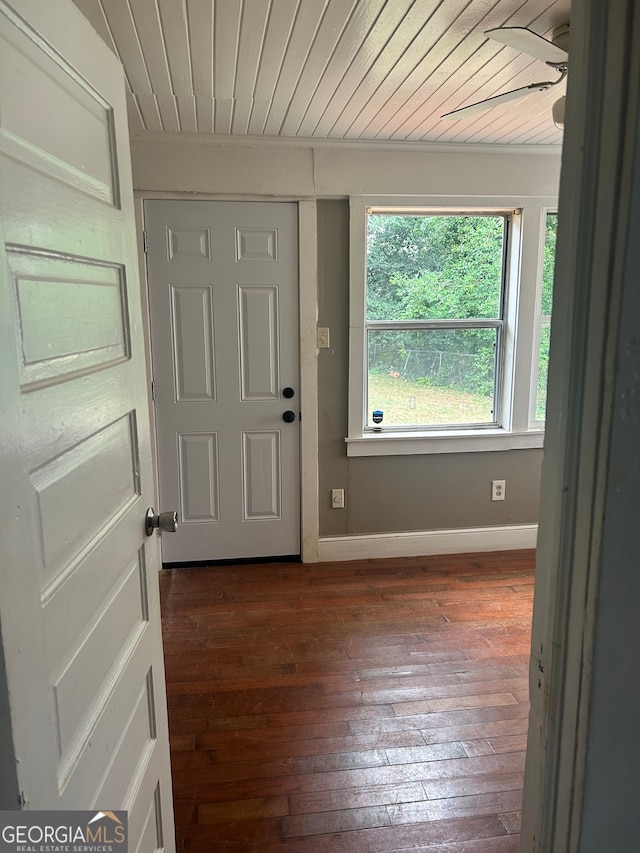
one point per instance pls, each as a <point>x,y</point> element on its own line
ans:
<point>428,543</point>
<point>308,308</point>
<point>214,140</point>
<point>184,163</point>
<point>308,302</point>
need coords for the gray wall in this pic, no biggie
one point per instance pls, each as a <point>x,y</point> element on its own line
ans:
<point>383,494</point>
<point>386,494</point>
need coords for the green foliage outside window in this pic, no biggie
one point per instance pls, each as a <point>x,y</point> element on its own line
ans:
<point>436,268</point>
<point>545,311</point>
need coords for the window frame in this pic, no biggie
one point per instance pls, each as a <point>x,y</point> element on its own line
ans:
<point>447,324</point>
<point>523,270</point>
<point>541,321</point>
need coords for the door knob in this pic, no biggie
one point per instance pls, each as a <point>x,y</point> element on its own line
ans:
<point>289,417</point>
<point>288,392</point>
<point>167,521</point>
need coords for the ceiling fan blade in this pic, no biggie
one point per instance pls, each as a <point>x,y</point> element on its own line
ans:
<point>529,42</point>
<point>497,99</point>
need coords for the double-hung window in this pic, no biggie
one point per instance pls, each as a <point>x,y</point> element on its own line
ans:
<point>449,326</point>
<point>434,319</point>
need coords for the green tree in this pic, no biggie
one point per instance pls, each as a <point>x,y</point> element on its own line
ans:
<point>399,248</point>
<point>545,309</point>
<point>436,267</point>
<point>549,262</point>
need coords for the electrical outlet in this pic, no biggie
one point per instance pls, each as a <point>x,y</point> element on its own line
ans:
<point>337,498</point>
<point>323,337</point>
<point>498,488</point>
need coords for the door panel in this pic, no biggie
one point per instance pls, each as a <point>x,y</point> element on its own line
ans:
<point>198,478</point>
<point>223,280</point>
<point>258,338</point>
<point>262,487</point>
<point>194,366</point>
<point>79,609</point>
<point>48,350</point>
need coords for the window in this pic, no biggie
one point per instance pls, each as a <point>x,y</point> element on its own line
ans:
<point>449,324</point>
<point>434,319</point>
<point>544,317</point>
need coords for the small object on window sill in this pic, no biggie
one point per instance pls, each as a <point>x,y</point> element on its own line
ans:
<point>377,416</point>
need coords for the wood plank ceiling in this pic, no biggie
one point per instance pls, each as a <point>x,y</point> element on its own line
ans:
<point>330,69</point>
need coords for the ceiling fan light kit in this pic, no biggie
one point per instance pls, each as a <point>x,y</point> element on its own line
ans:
<point>558,112</point>
<point>554,53</point>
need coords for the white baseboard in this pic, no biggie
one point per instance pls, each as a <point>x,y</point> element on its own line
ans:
<point>427,542</point>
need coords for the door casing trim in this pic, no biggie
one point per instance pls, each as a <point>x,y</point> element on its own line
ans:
<point>307,320</point>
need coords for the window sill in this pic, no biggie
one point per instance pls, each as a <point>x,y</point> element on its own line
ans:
<point>390,443</point>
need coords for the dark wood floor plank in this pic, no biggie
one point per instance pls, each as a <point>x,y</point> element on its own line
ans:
<point>365,707</point>
<point>471,835</point>
<point>355,798</point>
<point>455,807</point>
<point>438,720</point>
<point>512,821</point>
<point>325,823</point>
<point>243,810</point>
<point>503,844</point>
<point>494,729</point>
<point>445,789</point>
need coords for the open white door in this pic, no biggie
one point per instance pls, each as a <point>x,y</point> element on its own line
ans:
<point>79,607</point>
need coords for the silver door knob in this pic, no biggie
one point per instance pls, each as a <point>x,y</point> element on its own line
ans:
<point>167,521</point>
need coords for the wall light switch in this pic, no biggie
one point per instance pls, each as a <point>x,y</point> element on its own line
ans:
<point>323,337</point>
<point>337,498</point>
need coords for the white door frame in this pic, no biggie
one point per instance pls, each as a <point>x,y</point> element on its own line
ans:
<point>583,636</point>
<point>308,309</point>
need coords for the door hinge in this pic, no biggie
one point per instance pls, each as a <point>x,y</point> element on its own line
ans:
<point>145,242</point>
<point>153,390</point>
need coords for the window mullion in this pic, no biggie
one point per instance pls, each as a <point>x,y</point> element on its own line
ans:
<point>409,325</point>
<point>525,319</point>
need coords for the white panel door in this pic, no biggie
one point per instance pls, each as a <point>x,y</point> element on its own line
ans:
<point>223,291</point>
<point>79,607</point>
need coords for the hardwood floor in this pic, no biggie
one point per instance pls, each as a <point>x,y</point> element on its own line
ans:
<point>364,706</point>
